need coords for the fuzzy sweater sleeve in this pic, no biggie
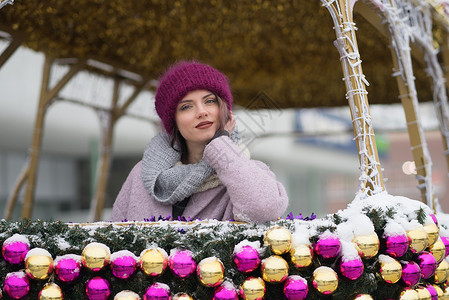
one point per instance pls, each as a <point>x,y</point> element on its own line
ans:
<point>120,208</point>
<point>255,193</point>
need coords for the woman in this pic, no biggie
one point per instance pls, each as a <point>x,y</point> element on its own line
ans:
<point>195,168</point>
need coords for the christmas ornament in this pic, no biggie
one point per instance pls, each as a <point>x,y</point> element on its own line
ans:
<point>182,296</point>
<point>396,246</point>
<point>157,291</point>
<point>50,291</point>
<point>123,264</point>
<point>411,273</point>
<point>442,272</point>
<point>279,239</point>
<point>438,250</point>
<point>424,293</point>
<point>16,285</point>
<point>418,239</point>
<point>38,263</point>
<point>328,245</point>
<point>434,219</point>
<point>351,268</point>
<point>253,288</point>
<point>98,288</point>
<point>302,255</point>
<point>15,249</point>
<point>432,231</point>
<point>390,269</point>
<point>246,259</point>
<point>409,294</point>
<point>127,295</point>
<point>67,267</point>
<point>363,297</point>
<point>445,241</point>
<point>153,261</point>
<point>367,245</point>
<point>440,292</point>
<point>181,263</point>
<point>433,292</point>
<point>210,271</point>
<point>427,263</point>
<point>295,288</point>
<point>226,291</point>
<point>95,256</point>
<point>274,269</point>
<point>325,280</point>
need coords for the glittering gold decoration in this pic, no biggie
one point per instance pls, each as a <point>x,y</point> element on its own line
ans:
<point>253,289</point>
<point>127,295</point>
<point>363,297</point>
<point>279,239</point>
<point>210,271</point>
<point>95,256</point>
<point>439,291</point>
<point>302,255</point>
<point>182,296</point>
<point>274,269</point>
<point>442,272</point>
<point>367,245</point>
<point>390,270</point>
<point>418,239</point>
<point>432,231</point>
<point>409,294</point>
<point>50,291</point>
<point>325,280</point>
<point>424,293</point>
<point>438,250</point>
<point>39,266</point>
<point>153,261</point>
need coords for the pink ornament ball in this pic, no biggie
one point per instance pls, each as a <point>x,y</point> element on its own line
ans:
<point>246,259</point>
<point>445,240</point>
<point>123,264</point>
<point>433,292</point>
<point>16,285</point>
<point>411,273</point>
<point>98,288</point>
<point>157,291</point>
<point>328,246</point>
<point>67,267</point>
<point>15,249</point>
<point>434,219</point>
<point>225,292</point>
<point>295,288</point>
<point>352,268</point>
<point>181,263</point>
<point>427,263</point>
<point>396,246</point>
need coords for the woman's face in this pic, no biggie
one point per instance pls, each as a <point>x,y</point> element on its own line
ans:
<point>197,117</point>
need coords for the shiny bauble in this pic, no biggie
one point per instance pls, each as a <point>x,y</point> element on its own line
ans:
<point>127,295</point>
<point>446,244</point>
<point>98,288</point>
<point>50,291</point>
<point>440,292</point>
<point>433,292</point>
<point>427,263</point>
<point>424,293</point>
<point>181,263</point>
<point>390,269</point>
<point>295,288</point>
<point>363,297</point>
<point>225,292</point>
<point>182,296</point>
<point>68,267</point>
<point>418,239</point>
<point>279,239</point>
<point>397,245</point>
<point>434,219</point>
<point>38,264</point>
<point>411,273</point>
<point>253,288</point>
<point>442,272</point>
<point>432,231</point>
<point>95,256</point>
<point>274,269</point>
<point>351,268</point>
<point>409,294</point>
<point>210,272</point>
<point>15,249</point>
<point>367,245</point>
<point>123,264</point>
<point>153,261</point>
<point>16,285</point>
<point>157,291</point>
<point>325,280</point>
<point>301,255</point>
<point>438,250</point>
<point>246,259</point>
<point>328,246</point>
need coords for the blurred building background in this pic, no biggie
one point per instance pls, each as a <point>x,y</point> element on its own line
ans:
<point>312,151</point>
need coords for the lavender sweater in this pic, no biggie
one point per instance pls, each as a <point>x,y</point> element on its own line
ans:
<point>249,191</point>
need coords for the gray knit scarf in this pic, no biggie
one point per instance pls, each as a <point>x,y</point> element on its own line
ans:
<point>167,183</point>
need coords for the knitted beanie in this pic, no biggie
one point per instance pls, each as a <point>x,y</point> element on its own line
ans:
<point>185,77</point>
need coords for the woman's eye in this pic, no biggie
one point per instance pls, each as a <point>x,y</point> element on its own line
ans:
<point>184,107</point>
<point>211,100</point>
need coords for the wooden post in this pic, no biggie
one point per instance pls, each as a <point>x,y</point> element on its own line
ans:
<point>12,47</point>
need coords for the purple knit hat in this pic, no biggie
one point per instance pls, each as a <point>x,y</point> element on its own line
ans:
<point>185,77</point>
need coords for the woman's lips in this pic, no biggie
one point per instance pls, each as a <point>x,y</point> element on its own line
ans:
<point>204,125</point>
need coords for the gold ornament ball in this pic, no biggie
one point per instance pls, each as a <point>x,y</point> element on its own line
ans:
<point>279,239</point>
<point>182,296</point>
<point>390,270</point>
<point>419,239</point>
<point>409,294</point>
<point>95,256</point>
<point>363,297</point>
<point>210,271</point>
<point>38,266</point>
<point>439,291</point>
<point>445,294</point>
<point>274,269</point>
<point>302,255</point>
<point>50,291</point>
<point>367,245</point>
<point>442,272</point>
<point>325,280</point>
<point>127,295</point>
<point>432,231</point>
<point>253,288</point>
<point>153,261</point>
<point>438,250</point>
<point>424,293</point>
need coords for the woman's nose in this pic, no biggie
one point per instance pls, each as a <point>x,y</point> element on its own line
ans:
<point>201,112</point>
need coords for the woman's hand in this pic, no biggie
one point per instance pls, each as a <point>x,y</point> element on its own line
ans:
<point>230,124</point>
